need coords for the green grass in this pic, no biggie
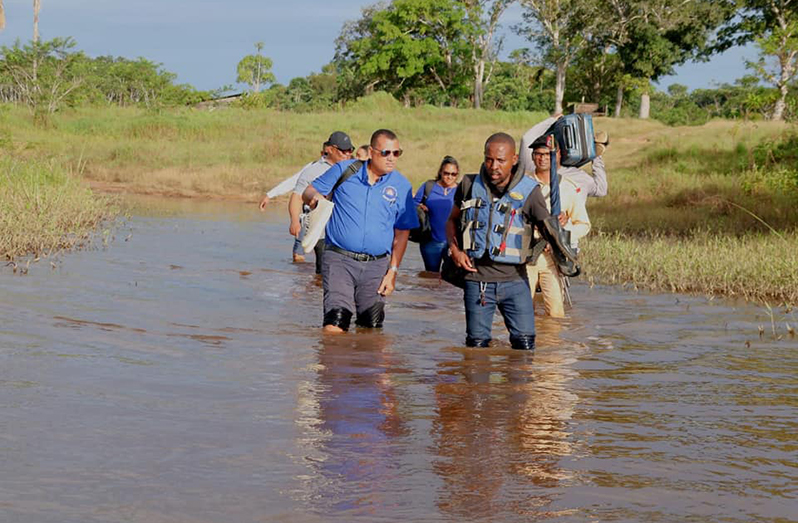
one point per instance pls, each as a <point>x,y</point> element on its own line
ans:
<point>755,266</point>
<point>44,210</point>
<point>692,209</point>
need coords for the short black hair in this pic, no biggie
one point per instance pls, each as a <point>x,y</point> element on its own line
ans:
<point>379,133</point>
<point>501,138</point>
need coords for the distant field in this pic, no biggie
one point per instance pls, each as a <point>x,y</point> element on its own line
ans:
<point>671,188</point>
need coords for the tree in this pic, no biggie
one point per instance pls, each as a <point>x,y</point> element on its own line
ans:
<point>255,70</point>
<point>773,25</point>
<point>37,5</point>
<point>484,16</point>
<point>43,73</point>
<point>559,27</point>
<point>653,36</point>
<point>408,48</point>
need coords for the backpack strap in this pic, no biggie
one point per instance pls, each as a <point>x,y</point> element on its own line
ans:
<point>428,185</point>
<point>348,173</point>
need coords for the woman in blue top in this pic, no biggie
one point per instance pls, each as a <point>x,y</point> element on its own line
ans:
<point>438,205</point>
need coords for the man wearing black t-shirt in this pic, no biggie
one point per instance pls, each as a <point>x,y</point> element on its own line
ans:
<point>490,237</point>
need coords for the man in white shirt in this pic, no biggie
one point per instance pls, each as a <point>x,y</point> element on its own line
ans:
<point>337,148</point>
<point>544,270</point>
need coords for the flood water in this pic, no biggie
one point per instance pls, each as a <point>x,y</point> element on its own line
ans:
<point>179,375</point>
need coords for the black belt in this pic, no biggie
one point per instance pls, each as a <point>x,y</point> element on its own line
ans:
<point>359,256</point>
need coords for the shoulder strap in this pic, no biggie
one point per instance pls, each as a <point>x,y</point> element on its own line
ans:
<point>467,183</point>
<point>348,173</point>
<point>428,185</point>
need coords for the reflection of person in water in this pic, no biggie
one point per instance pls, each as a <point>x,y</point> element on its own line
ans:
<point>501,427</point>
<point>358,423</point>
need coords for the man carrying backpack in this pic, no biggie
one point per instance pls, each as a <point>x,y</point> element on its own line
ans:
<point>366,235</point>
<point>490,237</point>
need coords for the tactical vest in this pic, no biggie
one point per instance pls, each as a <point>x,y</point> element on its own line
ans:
<point>499,226</point>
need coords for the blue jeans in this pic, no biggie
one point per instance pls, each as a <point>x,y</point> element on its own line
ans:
<point>514,301</point>
<point>432,253</point>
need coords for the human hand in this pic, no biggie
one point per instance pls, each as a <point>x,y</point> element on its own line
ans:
<point>563,218</point>
<point>388,283</point>
<point>461,259</point>
<point>264,202</point>
<point>423,207</point>
<point>294,228</point>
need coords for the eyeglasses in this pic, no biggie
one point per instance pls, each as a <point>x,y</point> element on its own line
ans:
<point>447,173</point>
<point>344,151</point>
<point>541,155</point>
<point>386,152</point>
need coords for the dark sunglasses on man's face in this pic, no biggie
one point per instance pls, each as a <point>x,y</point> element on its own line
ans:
<point>343,151</point>
<point>386,152</point>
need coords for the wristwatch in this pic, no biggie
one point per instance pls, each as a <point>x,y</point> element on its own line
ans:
<point>394,268</point>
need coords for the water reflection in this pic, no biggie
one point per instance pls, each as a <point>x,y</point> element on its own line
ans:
<point>355,424</point>
<point>500,431</point>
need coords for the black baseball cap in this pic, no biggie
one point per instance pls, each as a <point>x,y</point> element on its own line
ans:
<point>340,140</point>
<point>540,142</point>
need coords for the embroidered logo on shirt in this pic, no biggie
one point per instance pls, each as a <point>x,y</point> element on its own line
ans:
<point>389,193</point>
<point>516,196</point>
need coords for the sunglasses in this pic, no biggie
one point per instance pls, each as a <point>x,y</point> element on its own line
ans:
<point>344,151</point>
<point>386,152</point>
<point>447,173</point>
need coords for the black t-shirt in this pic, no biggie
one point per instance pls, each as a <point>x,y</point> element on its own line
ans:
<point>534,211</point>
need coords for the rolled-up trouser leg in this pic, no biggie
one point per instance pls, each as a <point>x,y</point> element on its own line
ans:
<point>372,317</point>
<point>338,318</point>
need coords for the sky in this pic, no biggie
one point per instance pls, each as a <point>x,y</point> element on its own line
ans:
<point>203,40</point>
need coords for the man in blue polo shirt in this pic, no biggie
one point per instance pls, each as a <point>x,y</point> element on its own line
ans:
<point>366,236</point>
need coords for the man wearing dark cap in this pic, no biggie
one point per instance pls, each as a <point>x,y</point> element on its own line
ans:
<point>586,184</point>
<point>543,269</point>
<point>490,237</point>
<point>337,148</point>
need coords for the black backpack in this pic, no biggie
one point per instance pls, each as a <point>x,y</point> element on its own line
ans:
<point>423,233</point>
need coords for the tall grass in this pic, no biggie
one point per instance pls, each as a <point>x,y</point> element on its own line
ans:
<point>669,186</point>
<point>754,266</point>
<point>240,153</point>
<point>43,209</point>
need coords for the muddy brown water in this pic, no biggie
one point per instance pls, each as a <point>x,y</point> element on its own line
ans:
<point>179,375</point>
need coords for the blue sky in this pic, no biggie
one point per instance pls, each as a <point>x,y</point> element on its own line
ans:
<point>203,40</point>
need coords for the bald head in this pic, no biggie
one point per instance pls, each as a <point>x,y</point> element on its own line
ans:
<point>503,139</point>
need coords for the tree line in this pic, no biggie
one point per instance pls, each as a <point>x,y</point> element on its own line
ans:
<point>446,53</point>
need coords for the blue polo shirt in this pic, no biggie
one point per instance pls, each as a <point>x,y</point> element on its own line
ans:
<point>365,215</point>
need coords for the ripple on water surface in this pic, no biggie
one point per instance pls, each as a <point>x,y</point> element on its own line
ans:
<point>180,375</point>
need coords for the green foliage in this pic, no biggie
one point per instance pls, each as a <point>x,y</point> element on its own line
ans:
<point>255,70</point>
<point>47,76</point>
<point>409,48</point>
<point>43,75</point>
<point>520,87</point>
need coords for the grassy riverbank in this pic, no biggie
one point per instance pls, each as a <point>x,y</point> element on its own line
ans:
<point>43,209</point>
<point>698,209</point>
